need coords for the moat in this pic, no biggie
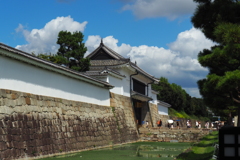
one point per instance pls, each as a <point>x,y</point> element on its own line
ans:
<point>134,151</point>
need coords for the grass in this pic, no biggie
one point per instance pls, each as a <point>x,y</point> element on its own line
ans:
<point>202,150</point>
<point>182,114</point>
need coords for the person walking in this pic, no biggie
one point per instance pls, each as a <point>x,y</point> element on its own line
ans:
<point>172,125</point>
<point>197,124</point>
<point>159,123</point>
<point>207,125</point>
<point>178,125</point>
<point>188,124</point>
<point>146,124</point>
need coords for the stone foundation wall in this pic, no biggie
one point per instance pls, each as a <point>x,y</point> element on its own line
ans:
<point>34,125</point>
<point>166,135</point>
<point>154,114</point>
<point>124,111</point>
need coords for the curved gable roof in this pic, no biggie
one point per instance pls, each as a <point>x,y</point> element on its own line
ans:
<point>114,60</point>
<point>107,51</point>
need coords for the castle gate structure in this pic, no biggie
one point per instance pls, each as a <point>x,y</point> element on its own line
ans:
<point>47,109</point>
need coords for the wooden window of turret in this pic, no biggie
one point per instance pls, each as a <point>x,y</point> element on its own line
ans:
<point>139,87</point>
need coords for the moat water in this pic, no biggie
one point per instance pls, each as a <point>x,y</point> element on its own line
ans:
<point>134,151</point>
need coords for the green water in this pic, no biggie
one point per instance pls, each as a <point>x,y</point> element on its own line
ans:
<point>134,151</point>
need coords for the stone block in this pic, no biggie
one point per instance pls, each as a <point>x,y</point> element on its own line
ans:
<point>10,144</point>
<point>6,153</point>
<point>3,146</point>
<point>27,101</point>
<point>3,93</point>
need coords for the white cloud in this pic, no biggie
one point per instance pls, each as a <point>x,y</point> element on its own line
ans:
<point>194,92</point>
<point>44,40</point>
<point>160,8</point>
<point>190,42</point>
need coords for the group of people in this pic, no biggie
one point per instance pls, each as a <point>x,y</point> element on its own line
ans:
<point>169,124</point>
<point>199,125</point>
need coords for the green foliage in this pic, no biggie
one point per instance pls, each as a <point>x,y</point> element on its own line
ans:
<point>71,51</point>
<point>219,20</point>
<point>203,150</point>
<point>179,99</point>
<point>113,109</point>
<point>220,89</point>
<point>52,58</point>
<point>209,12</point>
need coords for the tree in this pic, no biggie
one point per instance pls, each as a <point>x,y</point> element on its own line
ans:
<point>221,88</point>
<point>219,20</point>
<point>52,58</point>
<point>178,98</point>
<point>71,51</point>
<point>209,12</point>
<point>164,89</point>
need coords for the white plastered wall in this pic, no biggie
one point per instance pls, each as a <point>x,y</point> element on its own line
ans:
<point>16,75</point>
<point>125,81</point>
<point>162,110</point>
<point>117,83</point>
<point>153,95</point>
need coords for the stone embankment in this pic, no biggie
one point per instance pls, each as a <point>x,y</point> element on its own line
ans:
<point>167,135</point>
<point>34,125</point>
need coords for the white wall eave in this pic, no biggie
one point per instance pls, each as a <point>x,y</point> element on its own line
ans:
<point>155,92</point>
<point>164,104</point>
<point>33,60</point>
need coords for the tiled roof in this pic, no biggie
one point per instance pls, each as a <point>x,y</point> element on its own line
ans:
<point>94,73</point>
<point>139,96</point>
<point>103,72</point>
<point>107,50</point>
<point>143,72</point>
<point>164,103</point>
<point>56,66</point>
<point>119,60</point>
<point>110,62</point>
<point>113,71</point>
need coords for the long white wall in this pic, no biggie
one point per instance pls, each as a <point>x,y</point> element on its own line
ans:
<point>15,75</point>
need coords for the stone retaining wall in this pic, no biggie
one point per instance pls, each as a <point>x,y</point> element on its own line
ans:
<point>166,135</point>
<point>154,114</point>
<point>34,125</point>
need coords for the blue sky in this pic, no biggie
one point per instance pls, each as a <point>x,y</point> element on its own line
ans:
<point>158,34</point>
